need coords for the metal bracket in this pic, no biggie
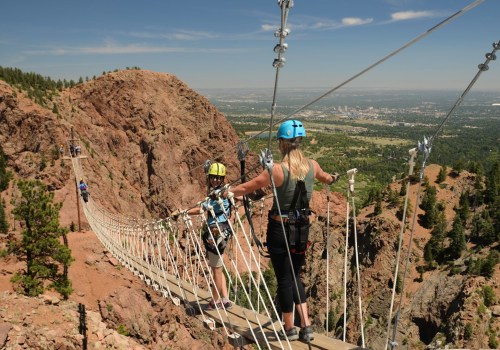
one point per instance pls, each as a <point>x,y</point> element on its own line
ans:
<point>425,147</point>
<point>242,150</point>
<point>266,159</point>
<point>411,162</point>
<point>351,174</point>
<point>209,323</point>
<point>237,341</point>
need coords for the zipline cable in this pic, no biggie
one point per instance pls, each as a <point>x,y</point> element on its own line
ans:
<point>279,62</point>
<point>385,58</point>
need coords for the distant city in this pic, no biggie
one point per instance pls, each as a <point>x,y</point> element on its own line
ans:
<point>352,104</point>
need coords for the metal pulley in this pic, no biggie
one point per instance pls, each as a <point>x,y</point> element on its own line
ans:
<point>287,3</point>
<point>279,62</point>
<point>281,48</point>
<point>491,56</point>
<point>483,67</point>
<point>281,33</point>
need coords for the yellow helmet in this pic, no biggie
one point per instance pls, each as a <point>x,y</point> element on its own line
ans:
<point>217,169</point>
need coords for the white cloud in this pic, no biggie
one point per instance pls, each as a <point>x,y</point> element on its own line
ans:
<point>355,21</point>
<point>179,34</point>
<point>130,49</point>
<point>268,27</point>
<point>407,15</point>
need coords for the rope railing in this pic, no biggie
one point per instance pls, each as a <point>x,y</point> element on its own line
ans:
<point>153,251</point>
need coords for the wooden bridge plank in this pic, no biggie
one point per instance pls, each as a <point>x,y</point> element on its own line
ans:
<point>237,319</point>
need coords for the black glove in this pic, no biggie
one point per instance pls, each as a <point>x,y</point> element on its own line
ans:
<point>256,195</point>
<point>335,177</point>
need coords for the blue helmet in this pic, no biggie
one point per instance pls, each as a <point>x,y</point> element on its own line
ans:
<point>291,129</point>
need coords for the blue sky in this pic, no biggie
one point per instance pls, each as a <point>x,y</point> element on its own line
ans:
<point>229,44</point>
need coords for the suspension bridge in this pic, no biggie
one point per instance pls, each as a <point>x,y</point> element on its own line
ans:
<point>170,260</point>
<point>168,254</point>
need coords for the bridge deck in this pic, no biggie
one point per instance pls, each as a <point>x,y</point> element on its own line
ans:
<point>237,319</point>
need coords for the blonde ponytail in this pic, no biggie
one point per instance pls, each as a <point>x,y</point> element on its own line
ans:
<point>293,158</point>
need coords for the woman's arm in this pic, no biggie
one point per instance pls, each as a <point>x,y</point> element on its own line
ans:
<point>322,175</point>
<point>262,180</point>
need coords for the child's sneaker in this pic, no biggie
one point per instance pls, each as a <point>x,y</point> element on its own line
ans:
<point>291,334</point>
<point>306,334</point>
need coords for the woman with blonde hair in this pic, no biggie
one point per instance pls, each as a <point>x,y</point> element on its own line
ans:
<point>288,225</point>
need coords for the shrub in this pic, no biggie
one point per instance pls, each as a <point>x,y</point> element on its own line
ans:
<point>488,295</point>
<point>468,331</point>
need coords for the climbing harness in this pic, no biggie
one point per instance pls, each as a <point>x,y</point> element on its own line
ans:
<point>297,223</point>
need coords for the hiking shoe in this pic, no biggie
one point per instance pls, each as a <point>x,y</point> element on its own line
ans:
<point>211,306</point>
<point>306,334</point>
<point>291,334</point>
<point>219,305</point>
<point>228,305</point>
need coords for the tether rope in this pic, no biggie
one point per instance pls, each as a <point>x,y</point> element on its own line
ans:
<point>411,163</point>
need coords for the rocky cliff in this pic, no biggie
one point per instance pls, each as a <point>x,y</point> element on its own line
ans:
<point>146,136</point>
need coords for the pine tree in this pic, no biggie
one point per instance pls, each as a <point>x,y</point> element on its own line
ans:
<point>459,166</point>
<point>493,184</point>
<point>4,225</point>
<point>463,210</point>
<point>457,236</point>
<point>434,248</point>
<point>429,206</point>
<point>402,191</point>
<point>377,210</point>
<point>442,174</point>
<point>40,245</point>
<point>4,174</point>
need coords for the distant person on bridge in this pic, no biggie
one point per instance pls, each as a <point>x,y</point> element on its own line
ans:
<point>216,173</point>
<point>84,190</point>
<point>293,177</point>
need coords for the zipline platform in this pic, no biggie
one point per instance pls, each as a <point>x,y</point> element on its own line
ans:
<point>237,320</point>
